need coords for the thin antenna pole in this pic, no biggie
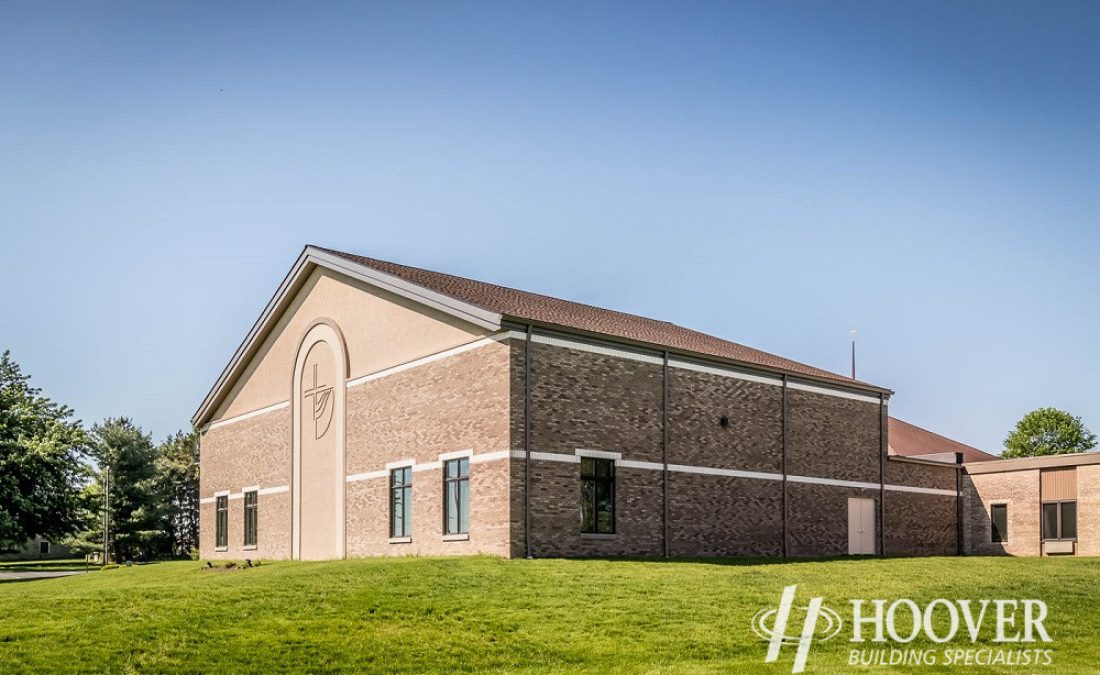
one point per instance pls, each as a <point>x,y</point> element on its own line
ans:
<point>853,334</point>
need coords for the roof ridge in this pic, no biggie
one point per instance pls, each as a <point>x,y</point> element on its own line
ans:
<point>550,310</point>
<point>510,288</point>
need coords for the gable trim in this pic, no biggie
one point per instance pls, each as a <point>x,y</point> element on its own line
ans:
<point>310,259</point>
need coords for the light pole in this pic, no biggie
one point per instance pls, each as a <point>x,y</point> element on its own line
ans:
<point>106,515</point>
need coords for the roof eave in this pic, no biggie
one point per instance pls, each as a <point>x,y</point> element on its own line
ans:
<point>649,346</point>
<point>310,258</point>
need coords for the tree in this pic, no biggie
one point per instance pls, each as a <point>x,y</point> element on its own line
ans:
<point>1048,431</point>
<point>42,462</point>
<point>177,487</point>
<point>136,522</point>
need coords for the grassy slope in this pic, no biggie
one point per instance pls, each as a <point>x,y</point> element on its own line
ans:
<point>414,615</point>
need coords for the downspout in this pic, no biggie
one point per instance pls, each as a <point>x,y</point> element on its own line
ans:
<point>958,504</point>
<point>527,443</point>
<point>665,549</point>
<point>882,450</point>
<point>783,463</point>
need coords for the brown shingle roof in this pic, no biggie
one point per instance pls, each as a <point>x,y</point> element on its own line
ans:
<point>542,309</point>
<point>909,440</point>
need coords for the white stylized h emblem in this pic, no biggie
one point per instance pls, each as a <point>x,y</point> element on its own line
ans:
<point>779,629</point>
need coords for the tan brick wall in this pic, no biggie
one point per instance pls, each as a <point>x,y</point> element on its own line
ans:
<point>252,452</point>
<point>458,403</point>
<point>1018,489</point>
<point>368,515</point>
<point>1088,510</point>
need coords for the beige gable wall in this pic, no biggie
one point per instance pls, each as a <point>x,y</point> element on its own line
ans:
<point>381,330</point>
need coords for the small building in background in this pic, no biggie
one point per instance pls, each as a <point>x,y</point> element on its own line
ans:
<point>1033,506</point>
<point>38,549</point>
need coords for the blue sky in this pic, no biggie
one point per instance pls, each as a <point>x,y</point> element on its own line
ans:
<point>773,173</point>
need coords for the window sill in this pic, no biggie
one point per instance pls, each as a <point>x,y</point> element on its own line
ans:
<point>221,549</point>
<point>465,536</point>
<point>599,535</point>
<point>401,540</point>
<point>251,548</point>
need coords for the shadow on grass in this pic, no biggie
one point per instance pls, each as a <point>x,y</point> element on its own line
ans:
<point>44,565</point>
<point>753,562</point>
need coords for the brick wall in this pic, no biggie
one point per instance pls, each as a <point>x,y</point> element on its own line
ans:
<point>458,403</point>
<point>594,401</point>
<point>921,524</point>
<point>1018,489</point>
<point>252,452</point>
<point>753,441</point>
<point>1088,509</point>
<point>598,401</point>
<point>724,516</point>
<point>832,437</point>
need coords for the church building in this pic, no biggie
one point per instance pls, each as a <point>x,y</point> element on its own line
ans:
<point>380,409</point>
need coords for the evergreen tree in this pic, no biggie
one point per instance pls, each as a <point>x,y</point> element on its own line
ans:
<point>177,485</point>
<point>136,518</point>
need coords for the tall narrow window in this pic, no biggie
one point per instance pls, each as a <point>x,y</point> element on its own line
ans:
<point>597,495</point>
<point>401,507</point>
<point>1059,520</point>
<point>456,496</point>
<point>221,526</point>
<point>43,548</point>
<point>251,520</point>
<point>998,516</point>
<point>1068,520</point>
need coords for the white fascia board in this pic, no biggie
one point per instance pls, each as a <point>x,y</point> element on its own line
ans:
<point>313,257</point>
<point>235,363</point>
<point>831,391</point>
<point>444,303</point>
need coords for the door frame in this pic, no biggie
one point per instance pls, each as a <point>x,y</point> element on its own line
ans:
<point>862,511</point>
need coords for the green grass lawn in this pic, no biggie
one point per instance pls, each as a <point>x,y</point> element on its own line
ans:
<point>485,614</point>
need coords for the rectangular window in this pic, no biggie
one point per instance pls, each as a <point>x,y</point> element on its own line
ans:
<point>221,528</point>
<point>597,495</point>
<point>250,518</point>
<point>1059,520</point>
<point>998,515</point>
<point>1068,520</point>
<point>456,496</point>
<point>401,507</point>
<point>43,548</point>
